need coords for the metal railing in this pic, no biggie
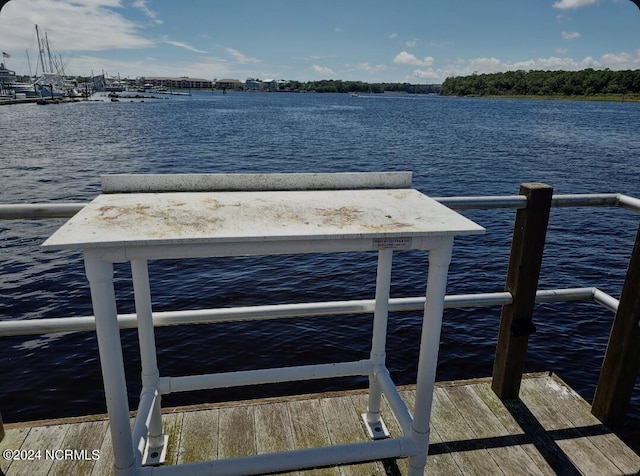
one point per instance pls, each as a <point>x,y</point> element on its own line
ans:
<point>280,311</point>
<point>203,316</point>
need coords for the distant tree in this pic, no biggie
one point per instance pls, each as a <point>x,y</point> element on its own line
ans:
<point>549,83</point>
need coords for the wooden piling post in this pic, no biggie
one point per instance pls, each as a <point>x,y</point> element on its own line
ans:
<point>516,324</point>
<point>622,358</point>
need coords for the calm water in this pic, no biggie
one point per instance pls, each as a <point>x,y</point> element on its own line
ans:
<point>454,147</point>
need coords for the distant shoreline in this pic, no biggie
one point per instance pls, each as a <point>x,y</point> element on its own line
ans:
<point>595,97</point>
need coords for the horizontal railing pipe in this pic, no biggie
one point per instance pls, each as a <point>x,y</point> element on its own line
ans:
<point>205,316</point>
<point>469,203</point>
<point>564,295</point>
<point>67,210</point>
<point>585,200</point>
<point>39,210</point>
<point>629,203</point>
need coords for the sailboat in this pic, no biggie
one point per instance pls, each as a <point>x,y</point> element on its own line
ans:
<point>51,81</point>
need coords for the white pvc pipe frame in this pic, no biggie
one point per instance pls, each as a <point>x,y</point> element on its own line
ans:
<point>130,448</point>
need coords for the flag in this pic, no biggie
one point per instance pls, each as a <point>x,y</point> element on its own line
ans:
<point>6,55</point>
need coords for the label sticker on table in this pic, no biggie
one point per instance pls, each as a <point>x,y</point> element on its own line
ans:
<point>403,243</point>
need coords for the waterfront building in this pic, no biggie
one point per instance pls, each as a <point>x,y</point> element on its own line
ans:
<point>7,79</point>
<point>183,82</point>
<point>228,84</point>
<point>252,84</point>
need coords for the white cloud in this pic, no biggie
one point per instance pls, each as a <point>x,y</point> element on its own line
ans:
<point>322,70</point>
<point>370,68</point>
<point>70,26</point>
<point>411,43</point>
<point>316,57</point>
<point>180,44</point>
<point>430,74</point>
<point>393,36</point>
<point>561,51</point>
<point>241,58</point>
<point>407,58</point>
<point>571,35</point>
<point>569,4</point>
<point>618,61</point>
<point>142,5</point>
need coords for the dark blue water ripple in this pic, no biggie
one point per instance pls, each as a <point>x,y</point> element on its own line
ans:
<point>454,147</point>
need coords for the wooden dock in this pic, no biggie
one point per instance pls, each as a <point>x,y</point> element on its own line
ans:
<point>549,430</point>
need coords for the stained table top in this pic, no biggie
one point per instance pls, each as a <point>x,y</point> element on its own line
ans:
<point>145,219</point>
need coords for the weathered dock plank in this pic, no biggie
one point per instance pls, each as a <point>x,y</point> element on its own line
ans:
<point>549,430</point>
<point>273,429</point>
<point>236,432</point>
<point>13,440</point>
<point>458,437</point>
<point>344,426</point>
<point>577,413</point>
<point>172,426</point>
<point>386,467</point>
<point>440,461</point>
<point>199,436</point>
<point>513,428</point>
<point>85,439</point>
<point>490,433</point>
<point>104,466</point>
<point>40,440</point>
<point>582,453</point>
<point>310,430</point>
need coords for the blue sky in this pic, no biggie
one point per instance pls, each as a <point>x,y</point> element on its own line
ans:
<point>417,41</point>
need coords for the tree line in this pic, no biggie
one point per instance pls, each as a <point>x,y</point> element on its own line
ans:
<point>339,86</point>
<point>588,82</point>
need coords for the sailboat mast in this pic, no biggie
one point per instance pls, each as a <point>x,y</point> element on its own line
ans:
<point>29,63</point>
<point>46,42</point>
<point>40,49</point>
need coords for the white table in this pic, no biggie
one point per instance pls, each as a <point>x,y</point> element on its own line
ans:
<point>138,227</point>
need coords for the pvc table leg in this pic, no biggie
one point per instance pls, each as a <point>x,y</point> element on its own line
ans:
<point>439,259</point>
<point>156,440</point>
<point>372,419</point>
<point>100,276</point>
